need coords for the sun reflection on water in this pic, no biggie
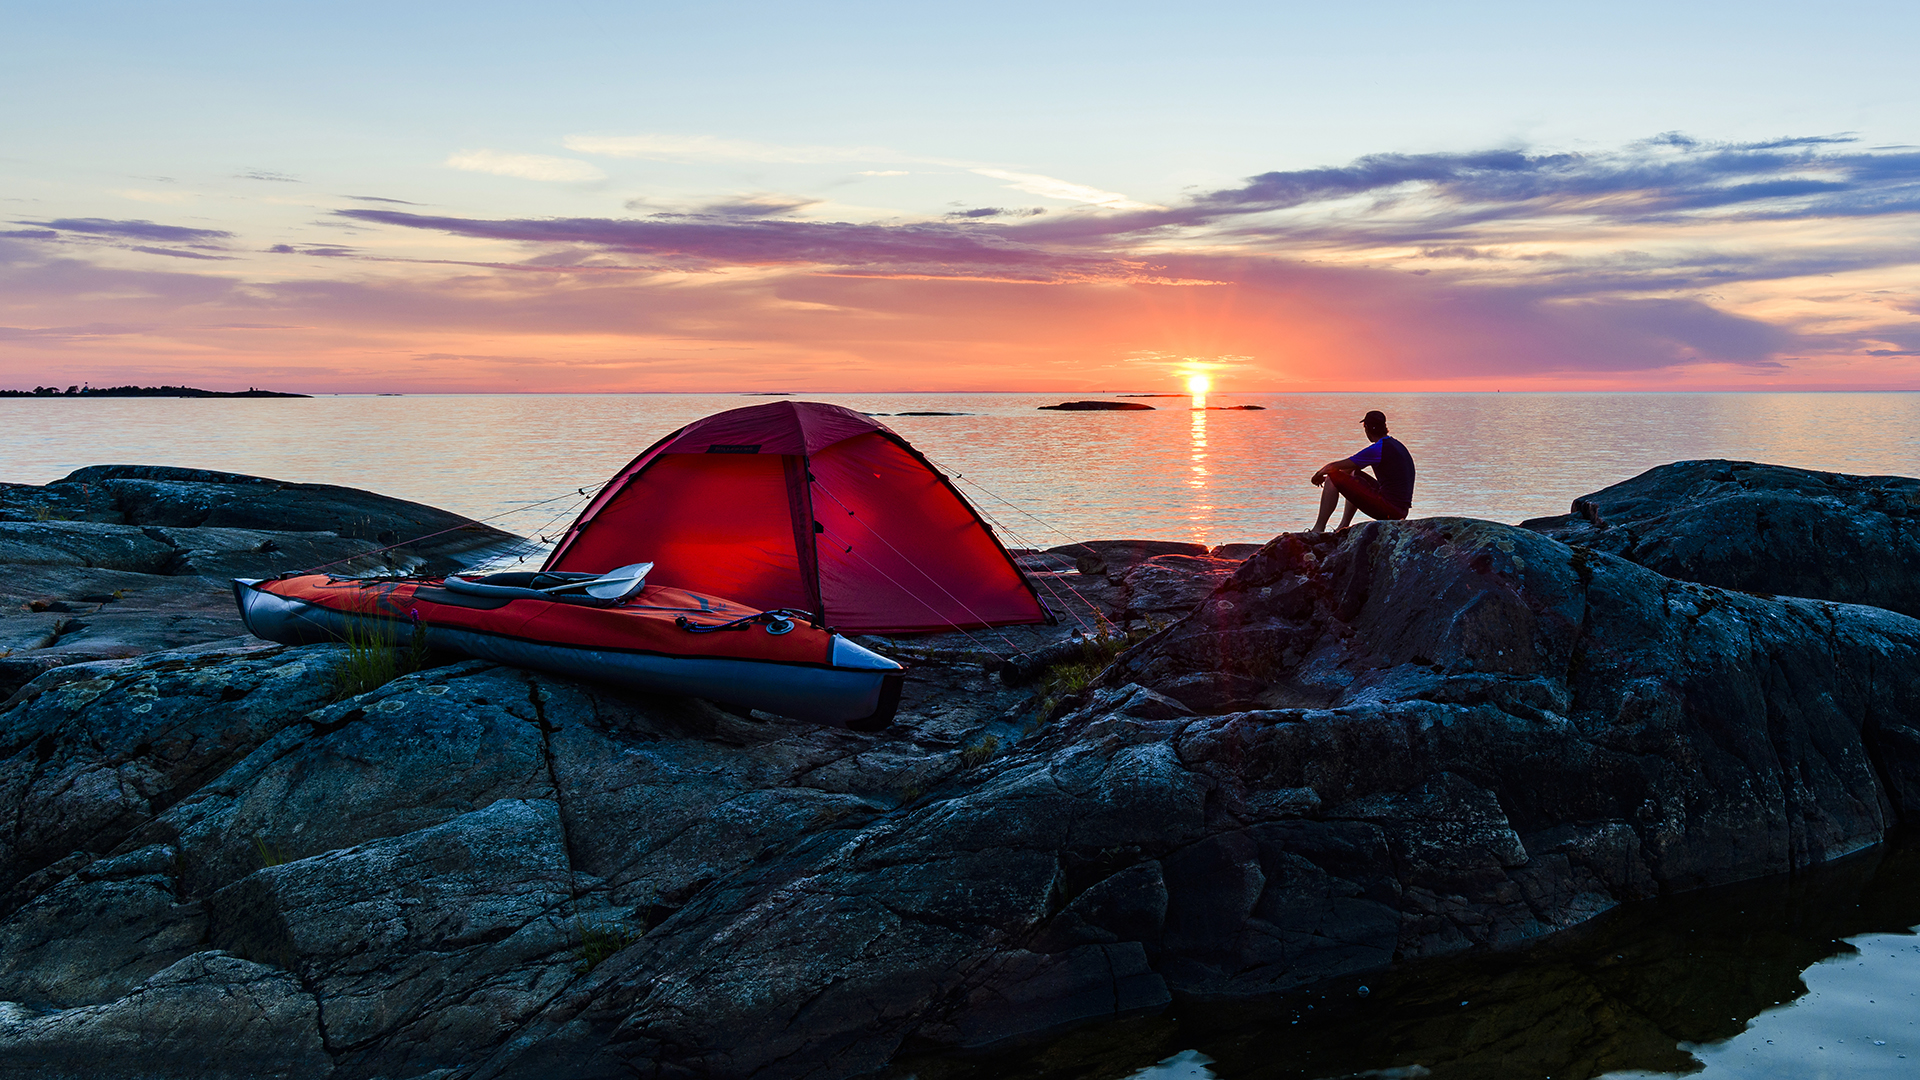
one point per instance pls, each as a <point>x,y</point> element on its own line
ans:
<point>1199,474</point>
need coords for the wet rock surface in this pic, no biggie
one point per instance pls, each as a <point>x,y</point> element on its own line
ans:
<point>1105,556</point>
<point>1411,740</point>
<point>1760,528</point>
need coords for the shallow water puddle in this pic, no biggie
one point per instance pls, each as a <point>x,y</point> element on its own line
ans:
<point>1815,976</point>
<point>1860,1018</point>
<point>1185,1065</point>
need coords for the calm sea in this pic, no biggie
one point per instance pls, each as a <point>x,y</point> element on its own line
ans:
<point>1045,478</point>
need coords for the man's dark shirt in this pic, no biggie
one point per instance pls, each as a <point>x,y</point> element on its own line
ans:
<point>1393,466</point>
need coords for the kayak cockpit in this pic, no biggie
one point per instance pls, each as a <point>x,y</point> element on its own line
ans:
<point>593,590</point>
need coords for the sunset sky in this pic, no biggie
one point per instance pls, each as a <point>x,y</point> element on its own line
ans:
<point>1077,197</point>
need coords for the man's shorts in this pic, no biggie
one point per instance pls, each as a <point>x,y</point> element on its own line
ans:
<point>1364,492</point>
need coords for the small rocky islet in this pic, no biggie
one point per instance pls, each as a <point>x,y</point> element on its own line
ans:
<point>1322,756</point>
<point>144,392</point>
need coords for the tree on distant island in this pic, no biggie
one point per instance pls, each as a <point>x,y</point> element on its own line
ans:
<point>146,391</point>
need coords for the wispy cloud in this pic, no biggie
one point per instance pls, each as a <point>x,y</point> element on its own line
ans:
<point>978,213</point>
<point>759,206</point>
<point>1567,224</point>
<point>707,148</point>
<point>83,332</point>
<point>176,253</point>
<point>1431,198</point>
<point>711,240</point>
<point>132,230</point>
<point>711,148</point>
<point>1048,187</point>
<point>326,251</point>
<point>526,166</point>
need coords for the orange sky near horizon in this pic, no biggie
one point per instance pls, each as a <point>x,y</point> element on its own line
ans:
<point>1289,328</point>
<point>1666,265</point>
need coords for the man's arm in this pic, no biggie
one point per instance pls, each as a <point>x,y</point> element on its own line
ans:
<point>1343,465</point>
<point>1366,457</point>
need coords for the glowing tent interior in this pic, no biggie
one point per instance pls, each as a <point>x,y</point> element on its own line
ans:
<point>807,506</point>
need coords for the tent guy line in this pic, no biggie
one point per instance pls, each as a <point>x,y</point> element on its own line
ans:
<point>904,588</point>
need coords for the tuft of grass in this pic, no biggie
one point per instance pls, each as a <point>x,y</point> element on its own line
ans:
<point>371,661</point>
<point>979,753</point>
<point>270,854</point>
<point>375,657</point>
<point>1070,678</point>
<point>600,942</point>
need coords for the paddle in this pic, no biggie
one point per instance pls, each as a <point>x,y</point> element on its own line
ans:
<point>612,585</point>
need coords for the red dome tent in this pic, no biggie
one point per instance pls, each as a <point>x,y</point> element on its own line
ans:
<point>796,504</point>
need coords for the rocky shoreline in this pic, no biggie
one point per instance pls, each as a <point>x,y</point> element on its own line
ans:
<point>116,561</point>
<point>1319,757</point>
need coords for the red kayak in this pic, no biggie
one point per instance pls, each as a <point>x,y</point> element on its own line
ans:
<point>596,627</point>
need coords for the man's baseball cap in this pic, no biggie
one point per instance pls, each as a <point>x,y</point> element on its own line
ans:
<point>1375,417</point>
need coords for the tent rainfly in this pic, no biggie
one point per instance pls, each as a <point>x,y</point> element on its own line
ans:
<point>807,506</point>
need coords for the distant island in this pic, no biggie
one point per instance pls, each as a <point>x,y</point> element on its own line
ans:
<point>143,391</point>
<point>1099,406</point>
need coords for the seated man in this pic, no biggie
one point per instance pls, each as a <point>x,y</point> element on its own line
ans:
<point>1387,497</point>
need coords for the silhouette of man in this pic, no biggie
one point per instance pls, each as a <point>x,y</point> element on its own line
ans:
<point>1387,495</point>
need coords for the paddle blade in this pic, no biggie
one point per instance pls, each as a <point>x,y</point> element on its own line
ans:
<point>619,584</point>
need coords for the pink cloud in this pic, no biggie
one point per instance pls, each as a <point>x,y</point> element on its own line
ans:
<point>1430,283</point>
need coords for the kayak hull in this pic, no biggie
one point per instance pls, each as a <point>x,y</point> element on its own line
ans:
<point>847,685</point>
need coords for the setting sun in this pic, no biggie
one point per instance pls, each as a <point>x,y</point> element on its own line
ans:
<point>1197,384</point>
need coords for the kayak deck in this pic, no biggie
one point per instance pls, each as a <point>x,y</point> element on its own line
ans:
<point>662,639</point>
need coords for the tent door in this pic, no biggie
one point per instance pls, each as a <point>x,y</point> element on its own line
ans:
<point>800,506</point>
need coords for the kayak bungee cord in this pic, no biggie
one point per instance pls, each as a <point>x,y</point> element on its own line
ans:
<point>778,620</point>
